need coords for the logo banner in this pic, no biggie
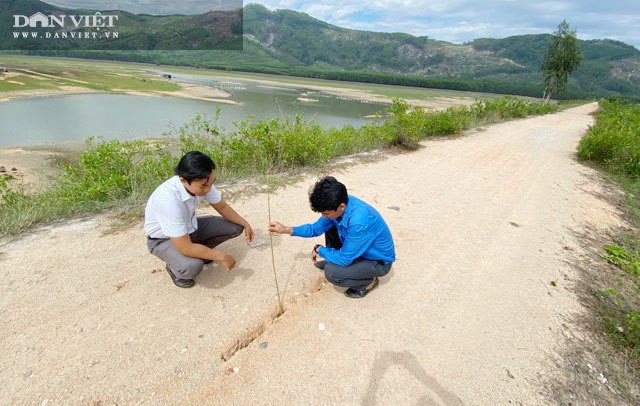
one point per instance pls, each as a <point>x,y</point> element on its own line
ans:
<point>156,25</point>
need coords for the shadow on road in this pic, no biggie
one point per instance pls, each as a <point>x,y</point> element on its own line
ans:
<point>408,361</point>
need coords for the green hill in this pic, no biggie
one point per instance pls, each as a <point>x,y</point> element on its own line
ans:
<point>293,43</point>
<point>608,65</point>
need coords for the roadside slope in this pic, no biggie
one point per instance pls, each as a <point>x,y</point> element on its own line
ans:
<point>467,314</point>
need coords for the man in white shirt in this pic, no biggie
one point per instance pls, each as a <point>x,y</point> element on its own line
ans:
<point>176,235</point>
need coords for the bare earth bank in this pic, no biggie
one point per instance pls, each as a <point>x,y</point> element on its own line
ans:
<point>466,316</point>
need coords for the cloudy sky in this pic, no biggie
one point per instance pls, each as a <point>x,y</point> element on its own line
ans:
<point>460,20</point>
<point>450,20</point>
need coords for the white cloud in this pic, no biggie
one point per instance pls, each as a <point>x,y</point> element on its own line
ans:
<point>450,20</point>
<point>328,11</point>
<point>461,20</point>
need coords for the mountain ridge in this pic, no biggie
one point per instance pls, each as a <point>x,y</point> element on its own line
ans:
<point>294,43</point>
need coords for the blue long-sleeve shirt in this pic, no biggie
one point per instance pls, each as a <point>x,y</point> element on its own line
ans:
<point>362,231</point>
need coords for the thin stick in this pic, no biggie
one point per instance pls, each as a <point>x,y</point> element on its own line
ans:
<point>273,259</point>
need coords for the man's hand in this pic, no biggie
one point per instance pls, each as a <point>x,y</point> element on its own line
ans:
<point>248,232</point>
<point>278,228</point>
<point>314,253</point>
<point>189,249</point>
<point>228,262</point>
<point>228,213</point>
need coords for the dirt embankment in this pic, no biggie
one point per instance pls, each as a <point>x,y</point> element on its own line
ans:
<point>482,224</point>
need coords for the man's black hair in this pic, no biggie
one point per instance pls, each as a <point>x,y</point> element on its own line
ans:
<point>328,194</point>
<point>195,165</point>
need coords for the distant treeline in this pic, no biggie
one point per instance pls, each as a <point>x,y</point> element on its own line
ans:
<point>287,42</point>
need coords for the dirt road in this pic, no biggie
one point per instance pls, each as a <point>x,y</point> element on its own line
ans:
<point>482,223</point>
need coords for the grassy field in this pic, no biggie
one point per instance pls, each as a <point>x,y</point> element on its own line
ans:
<point>48,73</point>
<point>107,76</point>
<point>24,82</point>
<point>404,92</point>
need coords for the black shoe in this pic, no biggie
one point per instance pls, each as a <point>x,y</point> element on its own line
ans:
<point>357,294</point>
<point>181,283</point>
<point>320,264</point>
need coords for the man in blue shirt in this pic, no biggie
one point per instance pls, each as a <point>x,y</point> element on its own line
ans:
<point>359,247</point>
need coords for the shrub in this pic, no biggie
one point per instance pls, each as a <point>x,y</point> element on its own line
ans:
<point>402,128</point>
<point>113,170</point>
<point>615,138</point>
<point>112,173</point>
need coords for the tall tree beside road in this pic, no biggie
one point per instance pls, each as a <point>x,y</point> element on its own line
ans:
<point>562,59</point>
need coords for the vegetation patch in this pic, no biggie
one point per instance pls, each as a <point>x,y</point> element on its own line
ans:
<point>22,82</point>
<point>614,140</point>
<point>606,367</point>
<point>90,76</point>
<point>625,260</point>
<point>123,174</point>
<point>615,296</point>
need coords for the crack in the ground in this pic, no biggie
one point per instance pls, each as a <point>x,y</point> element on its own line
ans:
<point>253,333</point>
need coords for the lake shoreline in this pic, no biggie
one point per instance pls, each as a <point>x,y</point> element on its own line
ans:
<point>37,165</point>
<point>439,99</point>
<point>187,91</point>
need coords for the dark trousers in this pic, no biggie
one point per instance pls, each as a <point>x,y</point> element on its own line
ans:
<point>359,274</point>
<point>212,231</point>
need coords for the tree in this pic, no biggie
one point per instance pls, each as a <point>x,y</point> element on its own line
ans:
<point>562,59</point>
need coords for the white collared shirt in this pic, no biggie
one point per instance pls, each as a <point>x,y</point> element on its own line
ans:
<point>171,210</point>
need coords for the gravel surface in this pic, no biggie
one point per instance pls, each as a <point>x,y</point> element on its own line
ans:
<point>482,224</point>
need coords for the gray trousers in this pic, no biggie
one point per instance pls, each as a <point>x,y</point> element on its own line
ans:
<point>212,231</point>
<point>359,274</point>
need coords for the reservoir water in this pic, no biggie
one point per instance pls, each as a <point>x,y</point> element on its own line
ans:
<point>73,118</point>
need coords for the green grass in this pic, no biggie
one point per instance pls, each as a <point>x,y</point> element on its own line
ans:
<point>613,145</point>
<point>121,174</point>
<point>107,81</point>
<point>30,83</point>
<point>92,76</point>
<point>424,94</point>
<point>98,71</point>
<point>625,260</point>
<point>102,76</point>
<point>619,304</point>
<point>619,298</point>
<point>382,90</point>
<point>614,140</point>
